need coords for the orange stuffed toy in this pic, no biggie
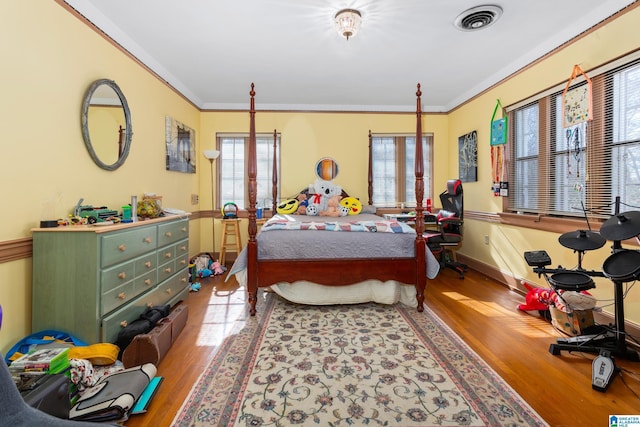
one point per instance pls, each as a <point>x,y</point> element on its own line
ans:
<point>333,207</point>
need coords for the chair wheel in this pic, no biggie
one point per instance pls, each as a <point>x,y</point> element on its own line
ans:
<point>553,349</point>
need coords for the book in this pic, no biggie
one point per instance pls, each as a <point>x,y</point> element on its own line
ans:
<point>45,359</point>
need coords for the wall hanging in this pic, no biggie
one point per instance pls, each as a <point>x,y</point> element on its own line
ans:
<point>468,157</point>
<point>180,141</point>
<point>577,103</point>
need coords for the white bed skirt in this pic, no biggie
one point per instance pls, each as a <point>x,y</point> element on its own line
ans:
<point>303,292</point>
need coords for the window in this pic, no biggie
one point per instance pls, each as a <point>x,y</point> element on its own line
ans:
<point>233,182</point>
<point>393,162</point>
<point>566,171</point>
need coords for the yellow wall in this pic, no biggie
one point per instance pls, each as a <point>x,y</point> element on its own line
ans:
<point>50,58</point>
<point>507,244</point>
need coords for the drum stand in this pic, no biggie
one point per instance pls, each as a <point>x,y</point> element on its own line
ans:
<point>615,342</point>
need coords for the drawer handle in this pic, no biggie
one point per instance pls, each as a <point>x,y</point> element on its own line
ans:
<point>167,270</point>
<point>168,234</point>
<point>147,239</point>
<point>147,282</point>
<point>149,304</point>
<point>122,247</point>
<point>168,291</point>
<point>123,323</point>
<point>183,248</point>
<point>184,280</point>
<point>168,254</point>
<point>122,295</point>
<point>184,229</point>
<point>183,261</point>
<point>147,264</point>
<point>122,275</point>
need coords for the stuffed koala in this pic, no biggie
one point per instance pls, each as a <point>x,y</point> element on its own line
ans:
<point>323,191</point>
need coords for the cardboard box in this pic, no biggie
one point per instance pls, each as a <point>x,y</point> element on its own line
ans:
<point>573,323</point>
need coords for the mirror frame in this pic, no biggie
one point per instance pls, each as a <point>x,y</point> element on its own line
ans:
<point>85,124</point>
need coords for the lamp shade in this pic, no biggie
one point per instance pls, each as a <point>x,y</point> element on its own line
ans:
<point>347,22</point>
<point>211,154</point>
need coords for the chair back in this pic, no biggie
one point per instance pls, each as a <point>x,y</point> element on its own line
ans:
<point>452,198</point>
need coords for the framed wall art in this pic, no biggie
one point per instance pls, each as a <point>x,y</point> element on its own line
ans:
<point>468,157</point>
<point>180,144</point>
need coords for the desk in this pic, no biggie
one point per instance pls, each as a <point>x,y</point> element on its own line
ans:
<point>430,221</point>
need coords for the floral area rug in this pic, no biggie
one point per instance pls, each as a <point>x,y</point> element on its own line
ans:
<point>366,364</point>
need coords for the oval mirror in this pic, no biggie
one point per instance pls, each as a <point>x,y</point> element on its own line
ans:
<point>106,124</point>
<point>327,168</point>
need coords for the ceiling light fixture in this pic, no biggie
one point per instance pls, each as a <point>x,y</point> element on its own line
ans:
<point>348,22</point>
<point>478,17</point>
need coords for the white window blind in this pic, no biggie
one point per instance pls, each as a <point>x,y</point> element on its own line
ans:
<point>233,176</point>
<point>561,171</point>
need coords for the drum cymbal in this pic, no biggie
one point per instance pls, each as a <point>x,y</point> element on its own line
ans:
<point>582,240</point>
<point>622,226</point>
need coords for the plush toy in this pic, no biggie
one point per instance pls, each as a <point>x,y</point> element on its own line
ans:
<point>312,210</point>
<point>536,298</point>
<point>302,204</point>
<point>353,205</point>
<point>288,206</point>
<point>541,298</point>
<point>333,207</point>
<point>217,268</point>
<point>323,191</point>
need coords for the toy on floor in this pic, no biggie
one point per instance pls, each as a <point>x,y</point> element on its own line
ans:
<point>541,298</point>
<point>195,287</point>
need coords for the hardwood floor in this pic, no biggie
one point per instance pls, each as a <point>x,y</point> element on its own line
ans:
<point>481,311</point>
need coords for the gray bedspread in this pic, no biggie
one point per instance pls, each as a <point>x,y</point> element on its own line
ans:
<point>305,244</point>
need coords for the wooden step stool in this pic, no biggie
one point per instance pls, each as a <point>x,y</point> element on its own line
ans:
<point>230,230</point>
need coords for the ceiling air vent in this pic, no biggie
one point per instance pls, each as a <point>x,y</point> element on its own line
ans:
<point>478,17</point>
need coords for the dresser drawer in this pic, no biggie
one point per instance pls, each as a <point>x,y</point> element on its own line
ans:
<point>114,322</point>
<point>113,277</point>
<point>117,297</point>
<point>172,232</point>
<point>172,292</point>
<point>167,290</point>
<point>120,246</point>
<point>145,282</point>
<point>146,263</point>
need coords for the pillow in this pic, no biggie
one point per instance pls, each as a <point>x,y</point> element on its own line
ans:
<point>368,209</point>
<point>352,205</point>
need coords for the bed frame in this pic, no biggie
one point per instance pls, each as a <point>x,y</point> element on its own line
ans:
<point>332,272</point>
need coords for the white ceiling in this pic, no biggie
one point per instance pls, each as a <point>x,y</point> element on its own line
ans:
<point>212,50</point>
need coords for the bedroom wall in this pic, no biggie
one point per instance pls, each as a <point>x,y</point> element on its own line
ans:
<point>49,59</point>
<point>507,243</point>
<point>307,137</point>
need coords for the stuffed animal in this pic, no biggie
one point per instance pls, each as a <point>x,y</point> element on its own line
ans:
<point>312,210</point>
<point>536,298</point>
<point>541,298</point>
<point>333,207</point>
<point>302,204</point>
<point>353,205</point>
<point>217,268</point>
<point>323,191</point>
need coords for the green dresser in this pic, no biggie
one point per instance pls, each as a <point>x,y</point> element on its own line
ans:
<point>92,280</point>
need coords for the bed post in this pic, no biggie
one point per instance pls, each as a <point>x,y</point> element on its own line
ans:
<point>420,245</point>
<point>370,174</point>
<point>252,245</point>
<point>274,178</point>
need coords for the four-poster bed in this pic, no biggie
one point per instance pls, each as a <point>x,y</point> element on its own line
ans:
<point>397,258</point>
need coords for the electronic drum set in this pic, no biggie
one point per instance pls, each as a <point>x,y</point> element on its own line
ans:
<point>622,266</point>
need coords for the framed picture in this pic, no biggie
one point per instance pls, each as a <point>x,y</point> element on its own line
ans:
<point>468,157</point>
<point>181,146</point>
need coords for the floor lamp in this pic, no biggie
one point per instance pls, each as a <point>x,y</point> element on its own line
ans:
<point>212,155</point>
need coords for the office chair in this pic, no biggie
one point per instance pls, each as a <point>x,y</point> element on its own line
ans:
<point>444,241</point>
